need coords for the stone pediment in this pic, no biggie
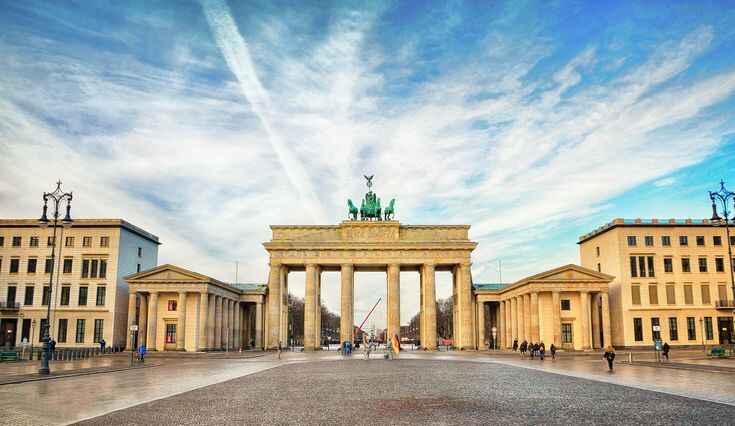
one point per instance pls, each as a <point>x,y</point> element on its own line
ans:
<point>570,273</point>
<point>168,273</point>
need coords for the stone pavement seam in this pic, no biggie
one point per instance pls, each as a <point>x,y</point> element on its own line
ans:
<point>18,380</point>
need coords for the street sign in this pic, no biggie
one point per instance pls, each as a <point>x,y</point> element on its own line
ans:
<point>656,328</point>
<point>134,327</point>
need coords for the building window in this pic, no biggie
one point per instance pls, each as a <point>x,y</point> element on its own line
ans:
<point>717,240</point>
<point>83,295</point>
<point>700,240</point>
<point>683,240</point>
<point>138,268</point>
<point>691,329</point>
<point>649,240</point>
<point>655,324</point>
<point>566,305</point>
<point>566,333</point>
<point>32,264</point>
<point>104,241</point>
<point>670,294</point>
<point>69,242</point>
<point>28,299</point>
<point>597,249</point>
<point>638,329</point>
<point>705,295</point>
<point>140,251</point>
<point>98,327</point>
<point>93,268</point>
<point>10,296</point>
<point>80,331</point>
<point>34,242</point>
<point>14,265</point>
<point>635,292</point>
<point>101,291</point>
<point>63,325</point>
<point>46,295</point>
<point>2,241</point>
<point>668,264</point>
<point>86,241</point>
<point>722,292</point>
<point>170,333</point>
<point>633,267</point>
<point>49,265</point>
<point>631,241</point>
<point>665,240</point>
<point>688,294</point>
<point>702,264</point>
<point>732,240</point>
<point>85,268</point>
<point>172,305</point>
<point>650,266</point>
<point>685,265</point>
<point>653,294</point>
<point>708,328</point>
<point>103,268</point>
<point>642,266</point>
<point>599,268</point>
<point>67,265</point>
<point>719,264</point>
<point>50,241</point>
<point>65,295</point>
<point>673,329</point>
<point>16,241</point>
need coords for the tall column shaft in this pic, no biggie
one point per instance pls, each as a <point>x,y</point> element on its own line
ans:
<point>394,301</point>
<point>274,305</point>
<point>181,323</point>
<point>211,321</point>
<point>284,306</point>
<point>218,322</point>
<point>203,315</point>
<point>238,323</point>
<point>514,319</point>
<point>428,280</point>
<point>318,309</point>
<point>595,320</point>
<point>502,327</point>
<point>310,308</point>
<point>535,332</point>
<point>259,325</point>
<point>422,310</point>
<point>584,306</point>
<point>606,327</point>
<point>556,317</point>
<point>143,325</point>
<point>465,314</point>
<point>521,319</point>
<point>132,302</point>
<point>246,321</point>
<point>152,321</point>
<point>527,317</point>
<point>481,339</point>
<point>347,302</point>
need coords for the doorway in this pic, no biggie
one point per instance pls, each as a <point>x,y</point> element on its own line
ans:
<point>8,327</point>
<point>724,327</point>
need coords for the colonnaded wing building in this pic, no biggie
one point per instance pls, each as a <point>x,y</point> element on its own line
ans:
<point>640,280</point>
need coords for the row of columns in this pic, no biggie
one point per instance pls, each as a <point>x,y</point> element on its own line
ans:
<point>221,322</point>
<point>278,310</point>
<point>518,318</point>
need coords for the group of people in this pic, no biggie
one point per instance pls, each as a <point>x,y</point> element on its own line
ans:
<point>537,349</point>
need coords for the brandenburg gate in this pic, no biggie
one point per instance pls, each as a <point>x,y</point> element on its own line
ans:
<point>362,245</point>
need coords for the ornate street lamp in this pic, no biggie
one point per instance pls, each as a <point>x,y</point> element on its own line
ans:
<point>722,197</point>
<point>56,198</point>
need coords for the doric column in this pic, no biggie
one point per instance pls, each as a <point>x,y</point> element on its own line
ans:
<point>274,305</point>
<point>584,307</point>
<point>217,322</point>
<point>606,327</point>
<point>527,317</point>
<point>514,319</point>
<point>595,322</point>
<point>394,301</point>
<point>347,300</point>
<point>464,290</point>
<point>535,332</point>
<point>310,308</point>
<point>152,322</point>
<point>132,302</point>
<point>246,332</point>
<point>521,319</point>
<point>428,281</point>
<point>202,326</point>
<point>502,335</point>
<point>481,344</point>
<point>143,318</point>
<point>556,317</point>
<point>211,322</point>
<point>422,310</point>
<point>508,324</point>
<point>181,324</point>
<point>284,306</point>
<point>238,322</point>
<point>318,310</point>
<point>227,324</point>
<point>259,325</point>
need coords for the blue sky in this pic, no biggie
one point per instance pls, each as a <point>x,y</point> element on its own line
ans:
<point>205,122</point>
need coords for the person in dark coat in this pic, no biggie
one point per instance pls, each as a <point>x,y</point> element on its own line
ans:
<point>524,346</point>
<point>541,350</point>
<point>515,345</point>
<point>609,355</point>
<point>665,349</point>
<point>102,345</point>
<point>552,350</point>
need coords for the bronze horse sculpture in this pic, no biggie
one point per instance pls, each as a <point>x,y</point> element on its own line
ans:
<point>390,211</point>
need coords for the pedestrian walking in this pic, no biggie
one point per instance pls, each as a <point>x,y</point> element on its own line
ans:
<point>102,345</point>
<point>141,353</point>
<point>515,345</point>
<point>533,349</point>
<point>523,347</point>
<point>552,350</point>
<point>52,347</point>
<point>609,355</point>
<point>666,348</point>
<point>541,350</point>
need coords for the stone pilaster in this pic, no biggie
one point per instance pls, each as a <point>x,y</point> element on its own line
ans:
<point>428,281</point>
<point>347,302</point>
<point>152,322</point>
<point>310,308</point>
<point>394,301</point>
<point>181,323</point>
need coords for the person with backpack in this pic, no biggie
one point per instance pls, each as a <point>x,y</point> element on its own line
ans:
<point>609,355</point>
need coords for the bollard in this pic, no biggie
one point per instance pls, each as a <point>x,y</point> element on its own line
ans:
<point>630,357</point>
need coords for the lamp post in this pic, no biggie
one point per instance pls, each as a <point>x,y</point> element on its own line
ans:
<point>56,198</point>
<point>722,197</point>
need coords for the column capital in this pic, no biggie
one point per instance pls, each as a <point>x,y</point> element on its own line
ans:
<point>431,265</point>
<point>584,291</point>
<point>152,292</point>
<point>275,263</point>
<point>347,265</point>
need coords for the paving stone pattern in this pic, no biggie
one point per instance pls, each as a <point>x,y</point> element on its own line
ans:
<point>417,392</point>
